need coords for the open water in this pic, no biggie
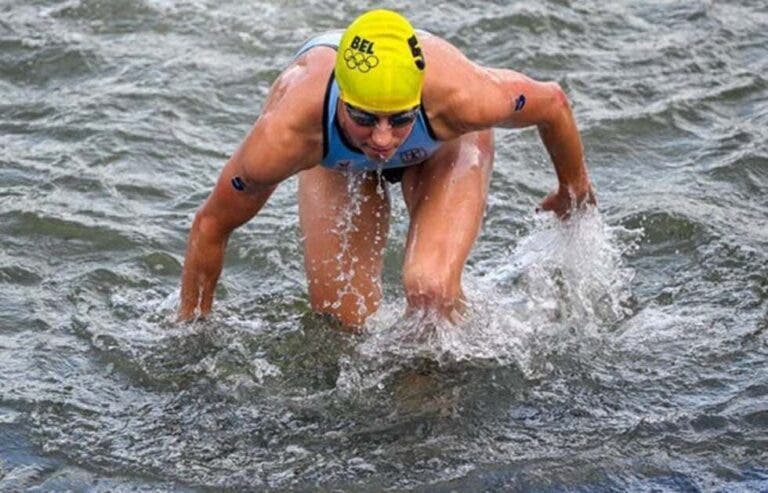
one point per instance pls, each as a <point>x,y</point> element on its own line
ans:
<point>625,350</point>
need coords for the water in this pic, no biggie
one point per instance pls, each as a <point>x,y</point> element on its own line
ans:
<point>625,351</point>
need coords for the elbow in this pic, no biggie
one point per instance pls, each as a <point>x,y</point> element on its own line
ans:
<point>558,97</point>
<point>559,107</point>
<point>207,229</point>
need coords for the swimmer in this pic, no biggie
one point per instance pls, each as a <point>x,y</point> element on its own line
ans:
<point>381,101</point>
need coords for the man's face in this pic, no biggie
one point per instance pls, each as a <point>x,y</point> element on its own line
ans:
<point>378,135</point>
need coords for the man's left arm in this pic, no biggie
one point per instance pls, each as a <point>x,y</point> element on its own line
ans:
<point>504,98</point>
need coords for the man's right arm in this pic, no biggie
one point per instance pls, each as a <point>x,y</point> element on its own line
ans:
<point>233,202</point>
<point>286,139</point>
<point>283,141</point>
<point>274,150</point>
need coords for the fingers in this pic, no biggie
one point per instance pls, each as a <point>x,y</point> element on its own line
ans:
<point>563,201</point>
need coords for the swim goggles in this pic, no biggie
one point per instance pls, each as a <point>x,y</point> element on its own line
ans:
<point>366,119</point>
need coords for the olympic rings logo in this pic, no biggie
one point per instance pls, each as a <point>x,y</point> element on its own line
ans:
<point>357,60</point>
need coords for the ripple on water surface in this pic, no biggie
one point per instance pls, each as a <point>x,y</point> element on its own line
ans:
<point>232,404</point>
<point>618,353</point>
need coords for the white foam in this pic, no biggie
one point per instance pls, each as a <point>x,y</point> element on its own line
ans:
<point>563,280</point>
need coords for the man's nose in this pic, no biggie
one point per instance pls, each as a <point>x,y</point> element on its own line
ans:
<point>382,134</point>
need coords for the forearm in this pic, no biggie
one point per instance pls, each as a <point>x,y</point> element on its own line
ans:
<point>561,138</point>
<point>226,209</point>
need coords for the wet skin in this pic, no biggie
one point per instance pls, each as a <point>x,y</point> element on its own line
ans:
<point>453,184</point>
<point>445,195</point>
<point>378,142</point>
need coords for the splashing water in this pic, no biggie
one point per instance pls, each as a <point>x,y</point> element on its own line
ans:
<point>348,218</point>
<point>563,285</point>
<point>345,227</point>
<point>572,273</point>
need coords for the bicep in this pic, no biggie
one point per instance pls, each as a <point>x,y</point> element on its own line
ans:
<point>283,141</point>
<point>505,98</point>
<point>269,154</point>
<point>232,202</point>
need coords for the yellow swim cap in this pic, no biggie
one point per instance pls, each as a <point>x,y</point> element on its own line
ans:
<point>379,64</point>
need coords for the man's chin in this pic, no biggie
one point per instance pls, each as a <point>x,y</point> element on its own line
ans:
<point>379,156</point>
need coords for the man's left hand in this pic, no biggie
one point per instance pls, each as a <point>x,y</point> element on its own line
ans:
<point>566,199</point>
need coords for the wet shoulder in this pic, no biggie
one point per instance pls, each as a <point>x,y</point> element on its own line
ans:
<point>298,94</point>
<point>445,83</point>
<point>443,61</point>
